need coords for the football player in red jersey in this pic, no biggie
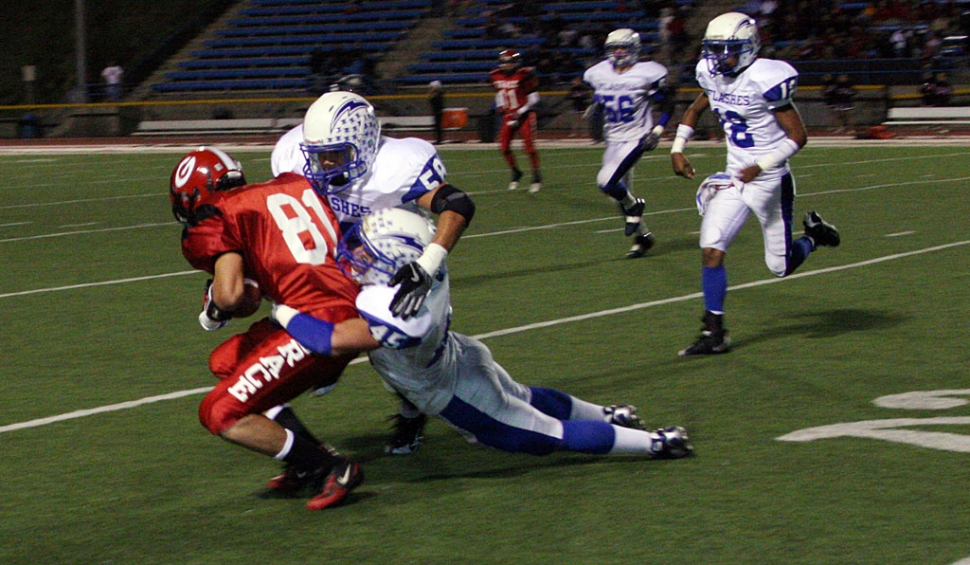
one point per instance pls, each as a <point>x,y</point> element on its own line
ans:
<point>275,239</point>
<point>517,93</point>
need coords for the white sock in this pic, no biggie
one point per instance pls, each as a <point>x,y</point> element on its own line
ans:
<point>286,446</point>
<point>629,440</point>
<point>583,410</point>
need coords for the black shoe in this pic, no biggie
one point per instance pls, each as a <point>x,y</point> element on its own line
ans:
<point>821,232</point>
<point>408,433</point>
<point>713,338</point>
<point>641,244</point>
<point>710,342</point>
<point>633,215</point>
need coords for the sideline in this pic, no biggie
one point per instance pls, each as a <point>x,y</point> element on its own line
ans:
<point>497,333</point>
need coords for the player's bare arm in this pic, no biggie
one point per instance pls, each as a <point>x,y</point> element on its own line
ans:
<point>455,210</point>
<point>231,295</point>
<point>688,122</point>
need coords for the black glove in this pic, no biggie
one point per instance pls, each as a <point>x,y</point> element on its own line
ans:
<point>212,317</point>
<point>415,283</point>
<point>650,141</point>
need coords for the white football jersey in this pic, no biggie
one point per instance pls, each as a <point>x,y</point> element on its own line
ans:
<point>744,105</point>
<point>287,157</point>
<point>625,97</point>
<point>403,171</point>
<point>420,356</point>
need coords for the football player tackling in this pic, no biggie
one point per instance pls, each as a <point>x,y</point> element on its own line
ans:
<point>356,170</point>
<point>752,98</point>
<point>452,376</point>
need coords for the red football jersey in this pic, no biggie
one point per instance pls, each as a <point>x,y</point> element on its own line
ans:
<point>513,90</point>
<point>287,237</point>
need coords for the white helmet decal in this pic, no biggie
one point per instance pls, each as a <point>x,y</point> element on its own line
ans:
<point>382,242</point>
<point>344,126</point>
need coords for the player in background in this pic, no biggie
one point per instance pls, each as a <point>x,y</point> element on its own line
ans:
<point>625,91</point>
<point>452,376</point>
<point>357,171</point>
<point>274,239</point>
<point>752,98</point>
<point>516,96</point>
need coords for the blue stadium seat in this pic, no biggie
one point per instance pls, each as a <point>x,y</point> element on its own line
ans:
<point>308,40</point>
<point>217,85</point>
<point>275,18</point>
<point>243,62</point>
<point>238,74</point>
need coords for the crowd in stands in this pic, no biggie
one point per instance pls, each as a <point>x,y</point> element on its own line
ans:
<point>830,29</point>
<point>792,30</point>
<point>569,47</point>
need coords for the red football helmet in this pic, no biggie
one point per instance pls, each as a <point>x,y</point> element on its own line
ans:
<point>509,60</point>
<point>197,179</point>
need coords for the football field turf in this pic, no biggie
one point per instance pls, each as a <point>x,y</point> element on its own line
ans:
<point>836,432</point>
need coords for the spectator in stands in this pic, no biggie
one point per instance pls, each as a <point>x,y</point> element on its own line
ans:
<point>927,90</point>
<point>931,47</point>
<point>677,28</point>
<point>840,96</point>
<point>942,90</point>
<point>899,42</point>
<point>113,76</point>
<point>454,8</point>
<point>579,99</point>
<point>436,99</point>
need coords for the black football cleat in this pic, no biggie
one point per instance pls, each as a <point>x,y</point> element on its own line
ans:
<point>821,232</point>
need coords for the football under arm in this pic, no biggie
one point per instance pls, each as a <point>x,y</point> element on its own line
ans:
<point>325,338</point>
<point>233,295</point>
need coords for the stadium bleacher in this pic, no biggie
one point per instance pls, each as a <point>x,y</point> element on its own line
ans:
<point>468,52</point>
<point>269,44</point>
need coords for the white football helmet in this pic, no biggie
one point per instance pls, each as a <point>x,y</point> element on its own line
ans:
<point>730,36</point>
<point>623,47</point>
<point>382,242</point>
<point>340,138</point>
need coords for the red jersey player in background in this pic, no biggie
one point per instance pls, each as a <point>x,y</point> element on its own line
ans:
<point>275,239</point>
<point>517,93</point>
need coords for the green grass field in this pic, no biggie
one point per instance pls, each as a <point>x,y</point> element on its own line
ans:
<point>104,364</point>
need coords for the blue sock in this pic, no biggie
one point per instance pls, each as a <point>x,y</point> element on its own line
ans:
<point>552,402</point>
<point>800,249</point>
<point>588,437</point>
<point>714,283</point>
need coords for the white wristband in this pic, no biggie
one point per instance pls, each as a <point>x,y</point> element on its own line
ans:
<point>785,149</point>
<point>432,258</point>
<point>657,130</point>
<point>283,314</point>
<point>684,132</point>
